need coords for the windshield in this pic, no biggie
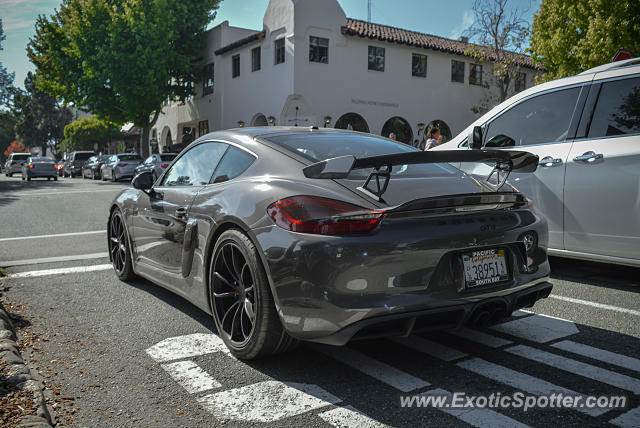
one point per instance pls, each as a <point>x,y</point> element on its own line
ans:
<point>129,157</point>
<point>83,156</point>
<point>326,145</point>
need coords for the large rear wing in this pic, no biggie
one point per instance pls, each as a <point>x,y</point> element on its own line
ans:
<point>505,161</point>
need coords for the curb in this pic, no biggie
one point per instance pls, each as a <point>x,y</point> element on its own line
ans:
<point>23,377</point>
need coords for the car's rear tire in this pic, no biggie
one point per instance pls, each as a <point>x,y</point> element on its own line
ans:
<point>113,176</point>
<point>119,248</point>
<point>242,304</point>
<point>55,178</point>
<point>28,178</point>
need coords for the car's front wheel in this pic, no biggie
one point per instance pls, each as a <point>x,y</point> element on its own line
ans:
<point>119,249</point>
<point>243,308</point>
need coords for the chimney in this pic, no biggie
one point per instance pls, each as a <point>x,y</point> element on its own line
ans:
<point>463,39</point>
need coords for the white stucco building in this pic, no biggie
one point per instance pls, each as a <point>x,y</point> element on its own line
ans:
<point>311,65</point>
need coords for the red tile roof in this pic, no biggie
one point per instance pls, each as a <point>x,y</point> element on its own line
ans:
<point>238,43</point>
<point>385,33</point>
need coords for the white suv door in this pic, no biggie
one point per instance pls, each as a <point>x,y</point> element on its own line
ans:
<point>602,185</point>
<point>540,124</point>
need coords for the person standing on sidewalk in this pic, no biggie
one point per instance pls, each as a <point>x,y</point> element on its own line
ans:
<point>435,139</point>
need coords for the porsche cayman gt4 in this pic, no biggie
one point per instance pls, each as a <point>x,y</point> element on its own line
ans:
<point>289,234</point>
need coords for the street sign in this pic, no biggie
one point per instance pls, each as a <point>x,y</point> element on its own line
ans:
<point>621,55</point>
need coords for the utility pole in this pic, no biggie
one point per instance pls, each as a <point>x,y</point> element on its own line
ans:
<point>369,11</point>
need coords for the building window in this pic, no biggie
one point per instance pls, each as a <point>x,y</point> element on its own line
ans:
<point>475,74</point>
<point>419,65</point>
<point>255,58</point>
<point>521,81</point>
<point>207,84</point>
<point>318,50</point>
<point>192,88</point>
<point>203,128</point>
<point>235,65</point>
<point>279,51</point>
<point>457,71</point>
<point>376,58</point>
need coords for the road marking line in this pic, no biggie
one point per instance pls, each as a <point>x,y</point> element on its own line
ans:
<point>65,193</point>
<point>631,419</point>
<point>599,354</point>
<point>9,263</point>
<point>428,347</point>
<point>192,345</point>
<point>538,328</point>
<point>191,376</point>
<point>22,238</point>
<point>348,416</point>
<point>520,313</point>
<point>596,305</point>
<point>478,417</point>
<point>267,401</point>
<point>576,367</point>
<point>47,272</point>
<point>374,368</point>
<point>482,338</point>
<point>521,381</point>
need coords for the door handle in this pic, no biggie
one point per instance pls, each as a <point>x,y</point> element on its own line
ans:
<point>181,212</point>
<point>549,161</point>
<point>589,156</point>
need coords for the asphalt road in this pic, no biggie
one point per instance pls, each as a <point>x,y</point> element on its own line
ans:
<point>133,354</point>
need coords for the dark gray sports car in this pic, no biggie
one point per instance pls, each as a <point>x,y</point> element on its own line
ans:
<point>287,234</point>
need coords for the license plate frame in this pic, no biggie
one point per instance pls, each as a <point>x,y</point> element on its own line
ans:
<point>497,270</point>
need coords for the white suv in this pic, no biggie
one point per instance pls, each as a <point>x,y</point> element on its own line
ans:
<point>586,131</point>
<point>14,163</point>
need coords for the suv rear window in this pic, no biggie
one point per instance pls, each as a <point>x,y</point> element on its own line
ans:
<point>129,157</point>
<point>83,156</point>
<point>617,111</point>
<point>20,157</point>
<point>168,158</point>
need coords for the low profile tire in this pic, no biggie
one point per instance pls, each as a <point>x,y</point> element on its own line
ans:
<point>243,307</point>
<point>23,178</point>
<point>55,178</point>
<point>113,177</point>
<point>28,178</point>
<point>119,249</point>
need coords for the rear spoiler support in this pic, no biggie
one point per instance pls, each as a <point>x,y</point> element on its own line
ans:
<point>505,161</point>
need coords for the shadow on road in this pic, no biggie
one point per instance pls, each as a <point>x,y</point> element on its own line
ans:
<point>597,274</point>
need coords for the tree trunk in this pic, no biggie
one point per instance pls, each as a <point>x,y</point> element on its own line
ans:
<point>144,141</point>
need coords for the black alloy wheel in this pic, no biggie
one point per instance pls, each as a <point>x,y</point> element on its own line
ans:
<point>119,247</point>
<point>242,304</point>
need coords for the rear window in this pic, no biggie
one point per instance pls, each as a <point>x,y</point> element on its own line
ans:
<point>617,110</point>
<point>326,145</point>
<point>129,157</point>
<point>168,158</point>
<point>39,159</point>
<point>20,157</point>
<point>83,156</point>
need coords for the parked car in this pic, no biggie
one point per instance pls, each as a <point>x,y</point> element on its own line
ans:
<point>586,131</point>
<point>326,235</point>
<point>91,168</point>
<point>14,163</point>
<point>120,166</point>
<point>40,167</point>
<point>156,164</point>
<point>73,164</point>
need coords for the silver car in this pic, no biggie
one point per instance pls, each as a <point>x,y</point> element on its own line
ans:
<point>40,167</point>
<point>120,166</point>
<point>14,163</point>
<point>586,131</point>
<point>156,164</point>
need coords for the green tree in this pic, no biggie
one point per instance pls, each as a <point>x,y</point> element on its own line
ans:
<point>6,78</point>
<point>121,58</point>
<point>40,119</point>
<point>498,33</point>
<point>83,133</point>
<point>570,36</point>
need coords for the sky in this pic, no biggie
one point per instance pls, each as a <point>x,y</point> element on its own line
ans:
<point>443,18</point>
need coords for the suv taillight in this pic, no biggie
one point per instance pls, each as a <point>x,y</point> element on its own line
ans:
<point>164,165</point>
<point>122,165</point>
<point>312,214</point>
<point>13,163</point>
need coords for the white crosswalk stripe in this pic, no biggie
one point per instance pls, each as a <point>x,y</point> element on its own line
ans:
<point>478,417</point>
<point>631,419</point>
<point>538,328</point>
<point>348,417</point>
<point>376,369</point>
<point>191,376</point>
<point>576,367</point>
<point>431,348</point>
<point>192,345</point>
<point>599,354</point>
<point>521,381</point>
<point>482,338</point>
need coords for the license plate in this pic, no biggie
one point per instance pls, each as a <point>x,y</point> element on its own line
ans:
<point>485,267</point>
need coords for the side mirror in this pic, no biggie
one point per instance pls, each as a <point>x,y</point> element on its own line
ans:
<point>475,138</point>
<point>143,181</point>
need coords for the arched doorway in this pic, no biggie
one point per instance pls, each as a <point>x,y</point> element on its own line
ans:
<point>445,131</point>
<point>400,127</point>
<point>165,139</point>
<point>259,120</point>
<point>352,121</point>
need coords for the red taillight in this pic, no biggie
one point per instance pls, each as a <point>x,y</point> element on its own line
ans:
<point>30,166</point>
<point>122,165</point>
<point>312,214</point>
<point>13,163</point>
<point>164,165</point>
<point>55,166</point>
<point>99,165</point>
